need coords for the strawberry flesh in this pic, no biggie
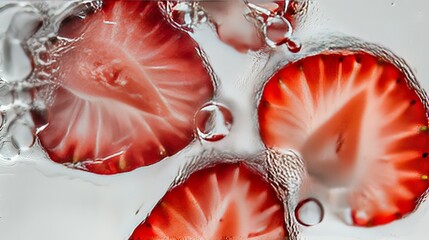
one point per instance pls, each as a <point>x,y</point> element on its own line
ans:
<point>128,86</point>
<point>228,201</point>
<point>242,32</point>
<point>357,124</point>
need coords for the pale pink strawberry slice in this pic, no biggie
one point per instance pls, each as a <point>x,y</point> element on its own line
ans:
<point>240,31</point>
<point>228,201</point>
<point>129,87</point>
<point>358,123</point>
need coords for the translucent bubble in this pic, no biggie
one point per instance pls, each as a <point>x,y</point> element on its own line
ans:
<point>186,14</point>
<point>213,122</point>
<point>23,136</point>
<point>277,30</point>
<point>309,212</point>
<point>8,150</point>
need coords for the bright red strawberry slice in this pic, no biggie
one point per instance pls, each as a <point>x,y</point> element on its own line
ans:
<point>128,90</point>
<point>228,201</point>
<point>358,124</point>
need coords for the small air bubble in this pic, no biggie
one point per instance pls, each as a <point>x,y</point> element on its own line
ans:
<point>213,122</point>
<point>23,136</point>
<point>187,14</point>
<point>277,30</point>
<point>309,212</point>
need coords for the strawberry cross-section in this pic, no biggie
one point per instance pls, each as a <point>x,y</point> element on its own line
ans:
<point>128,86</point>
<point>357,121</point>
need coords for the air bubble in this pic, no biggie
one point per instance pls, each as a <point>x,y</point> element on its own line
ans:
<point>309,212</point>
<point>277,30</point>
<point>23,136</point>
<point>213,122</point>
<point>8,150</point>
<point>185,15</point>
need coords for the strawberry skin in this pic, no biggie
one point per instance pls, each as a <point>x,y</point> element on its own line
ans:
<point>358,124</point>
<point>228,201</point>
<point>128,86</point>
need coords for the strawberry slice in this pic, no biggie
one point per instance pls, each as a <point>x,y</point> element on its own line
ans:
<point>228,201</point>
<point>242,32</point>
<point>128,88</point>
<point>358,123</point>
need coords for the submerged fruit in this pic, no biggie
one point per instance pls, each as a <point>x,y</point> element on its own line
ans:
<point>356,121</point>
<point>240,23</point>
<point>128,86</point>
<point>228,201</point>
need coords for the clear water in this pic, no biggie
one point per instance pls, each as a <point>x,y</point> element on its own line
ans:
<point>40,199</point>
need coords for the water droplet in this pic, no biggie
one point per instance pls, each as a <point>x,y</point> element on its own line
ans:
<point>8,150</point>
<point>309,212</point>
<point>213,122</point>
<point>23,136</point>
<point>277,30</point>
<point>185,15</point>
<point>293,46</point>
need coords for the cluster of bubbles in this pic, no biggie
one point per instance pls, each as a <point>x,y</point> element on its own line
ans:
<point>26,64</point>
<point>16,127</point>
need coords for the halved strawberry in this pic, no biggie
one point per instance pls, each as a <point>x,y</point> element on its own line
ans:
<point>228,201</point>
<point>358,123</point>
<point>128,88</point>
<point>245,32</point>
